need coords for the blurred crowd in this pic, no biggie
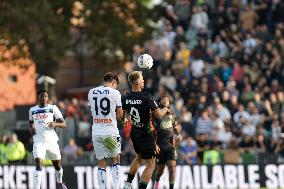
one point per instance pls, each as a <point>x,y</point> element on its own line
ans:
<point>222,64</point>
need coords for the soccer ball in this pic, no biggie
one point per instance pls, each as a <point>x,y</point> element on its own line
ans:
<point>145,61</point>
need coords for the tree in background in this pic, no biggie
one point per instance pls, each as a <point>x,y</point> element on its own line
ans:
<point>109,28</point>
<point>42,24</point>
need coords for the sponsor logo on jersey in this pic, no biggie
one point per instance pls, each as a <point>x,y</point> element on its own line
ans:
<point>40,116</point>
<point>103,120</point>
<point>133,101</point>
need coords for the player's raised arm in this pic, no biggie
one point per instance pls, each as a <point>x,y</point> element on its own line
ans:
<point>159,113</point>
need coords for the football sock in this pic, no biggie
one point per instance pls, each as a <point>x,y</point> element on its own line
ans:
<point>116,175</point>
<point>59,175</point>
<point>171,185</point>
<point>142,185</point>
<point>102,178</point>
<point>130,178</point>
<point>37,179</point>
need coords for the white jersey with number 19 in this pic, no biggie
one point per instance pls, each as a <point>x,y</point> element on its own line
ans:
<point>103,102</point>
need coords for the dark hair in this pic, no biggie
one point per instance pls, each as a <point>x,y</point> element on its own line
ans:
<point>109,77</point>
<point>42,91</point>
<point>162,97</point>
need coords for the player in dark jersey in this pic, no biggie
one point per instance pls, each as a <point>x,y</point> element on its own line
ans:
<point>166,128</point>
<point>139,106</point>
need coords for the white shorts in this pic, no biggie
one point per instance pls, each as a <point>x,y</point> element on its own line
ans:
<point>48,150</point>
<point>101,150</point>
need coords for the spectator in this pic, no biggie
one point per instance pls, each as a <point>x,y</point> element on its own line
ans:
<point>170,35</point>
<point>222,111</point>
<point>218,126</point>
<point>169,81</point>
<point>3,147</point>
<point>15,150</point>
<point>219,47</point>
<point>241,114</point>
<point>248,128</point>
<point>70,151</point>
<point>189,151</point>
<point>199,18</point>
<point>197,68</point>
<point>182,9</point>
<point>204,123</point>
<point>275,128</point>
<point>260,143</point>
<point>211,156</point>
<point>84,127</point>
<point>248,18</point>
<point>238,72</point>
<point>255,117</point>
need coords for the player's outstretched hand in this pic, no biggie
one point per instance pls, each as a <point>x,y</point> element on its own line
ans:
<point>168,111</point>
<point>51,125</point>
<point>179,138</point>
<point>157,149</point>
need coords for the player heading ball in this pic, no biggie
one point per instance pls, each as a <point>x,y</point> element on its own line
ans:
<point>140,106</point>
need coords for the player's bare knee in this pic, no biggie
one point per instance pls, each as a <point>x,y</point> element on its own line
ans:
<point>39,163</point>
<point>116,160</point>
<point>57,164</point>
<point>102,163</point>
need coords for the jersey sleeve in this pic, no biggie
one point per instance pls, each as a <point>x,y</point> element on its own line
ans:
<point>118,100</point>
<point>56,112</point>
<point>151,103</point>
<point>30,115</point>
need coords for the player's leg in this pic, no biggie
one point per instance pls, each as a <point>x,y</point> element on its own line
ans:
<point>159,172</point>
<point>100,151</point>
<point>133,170</point>
<point>38,154</point>
<point>38,173</point>
<point>148,153</point>
<point>135,164</point>
<point>101,173</point>
<point>53,153</point>
<point>160,166</point>
<point>147,173</point>
<point>59,173</point>
<point>172,172</point>
<point>115,154</point>
<point>116,176</point>
<point>171,163</point>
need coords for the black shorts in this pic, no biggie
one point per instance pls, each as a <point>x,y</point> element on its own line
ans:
<point>144,144</point>
<point>166,154</point>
